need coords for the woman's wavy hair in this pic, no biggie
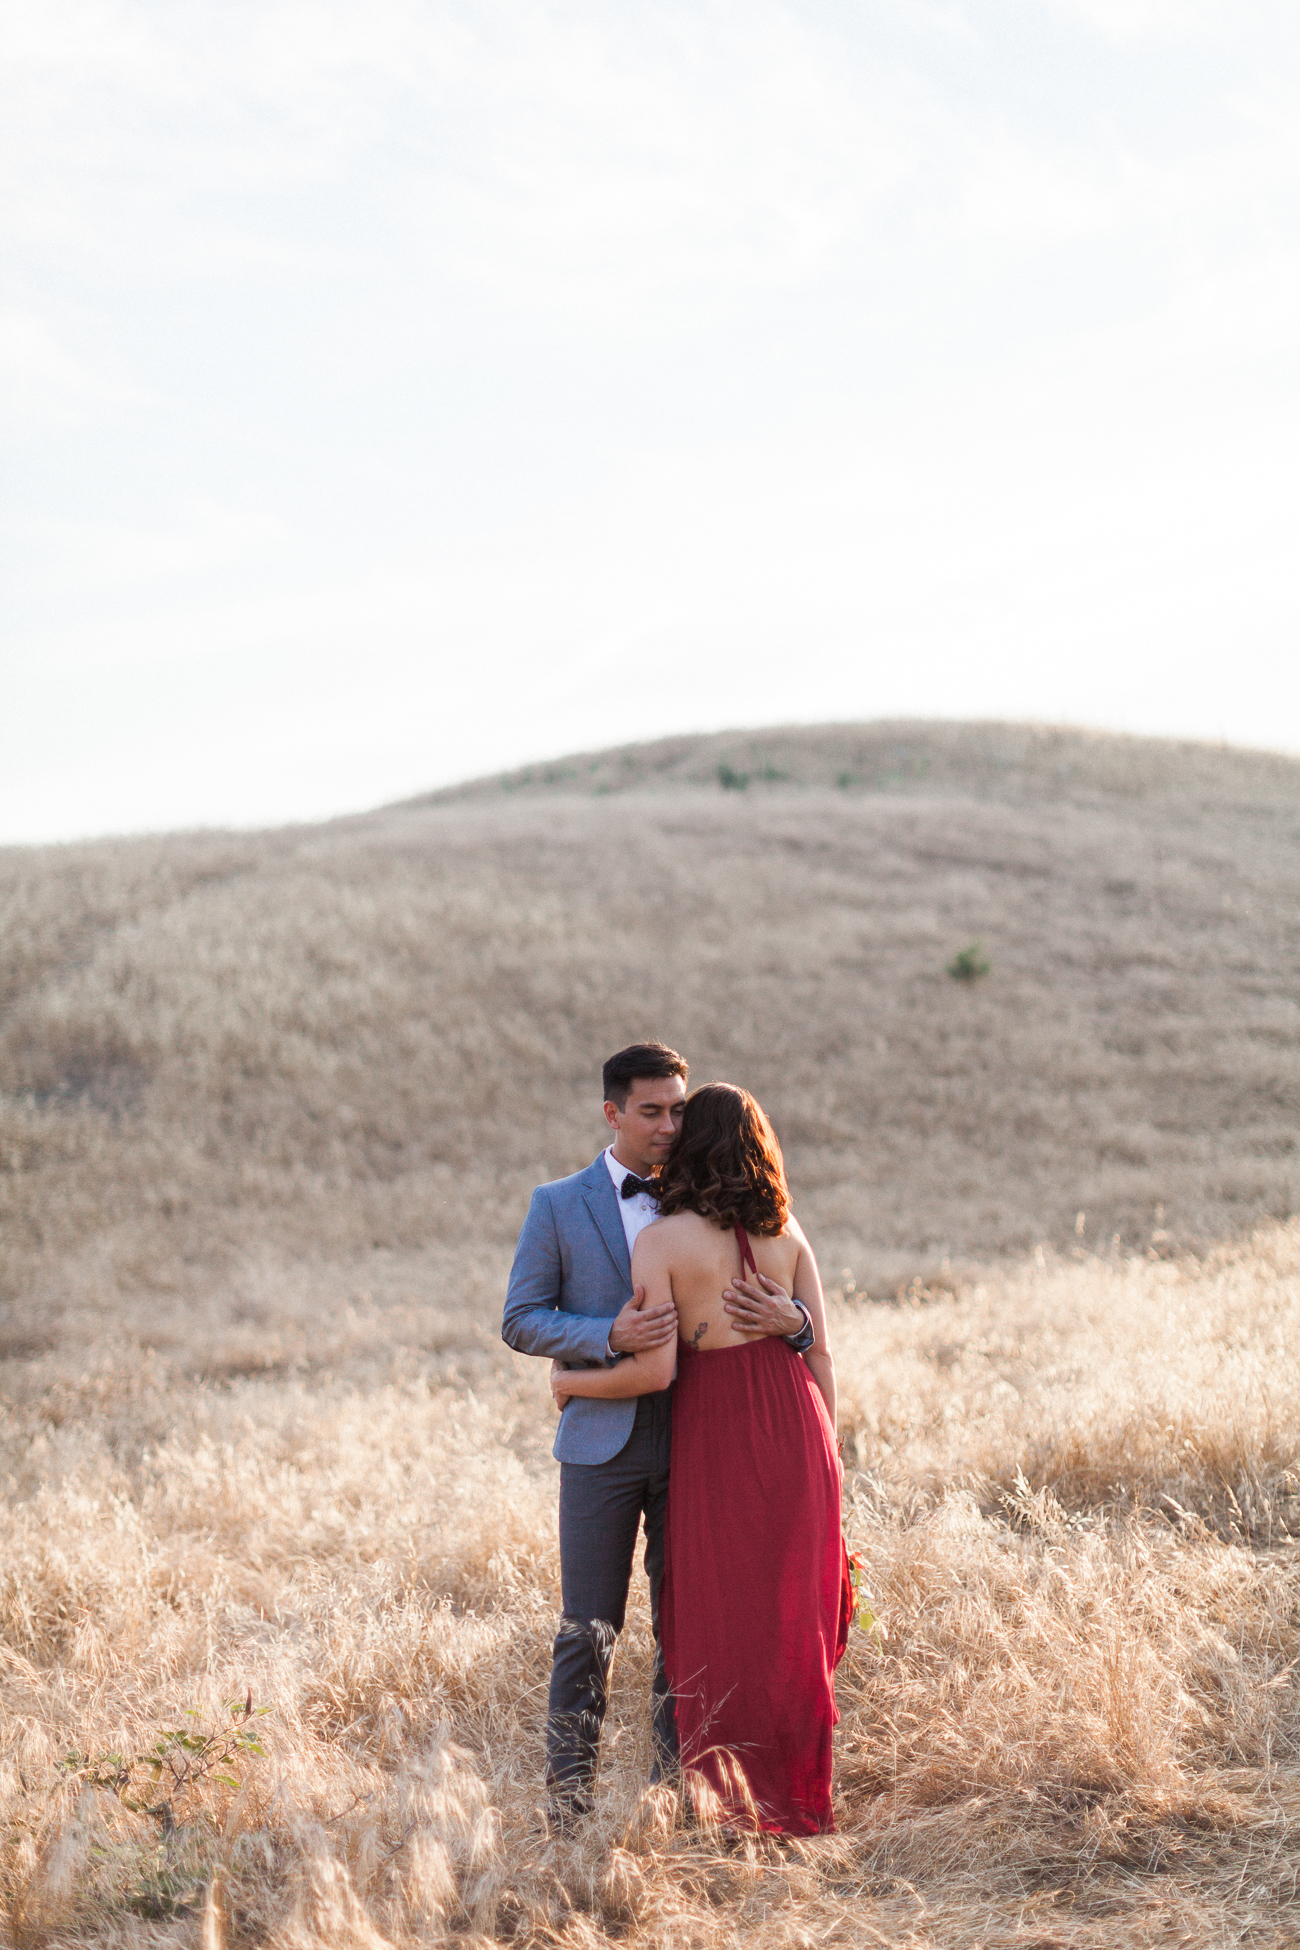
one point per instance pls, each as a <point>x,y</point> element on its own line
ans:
<point>726,1163</point>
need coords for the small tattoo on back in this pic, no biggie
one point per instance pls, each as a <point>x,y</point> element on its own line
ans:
<point>699,1333</point>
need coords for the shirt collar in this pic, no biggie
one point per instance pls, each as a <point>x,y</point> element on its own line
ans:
<point>617,1171</point>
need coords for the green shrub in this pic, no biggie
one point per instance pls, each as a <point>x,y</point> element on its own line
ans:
<point>970,963</point>
<point>166,1872</point>
<point>148,1782</point>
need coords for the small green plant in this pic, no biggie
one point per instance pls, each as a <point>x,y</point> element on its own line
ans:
<point>731,780</point>
<point>168,1873</point>
<point>148,1783</point>
<point>845,780</point>
<point>970,963</point>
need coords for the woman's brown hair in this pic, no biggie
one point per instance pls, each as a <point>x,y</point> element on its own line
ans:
<point>726,1163</point>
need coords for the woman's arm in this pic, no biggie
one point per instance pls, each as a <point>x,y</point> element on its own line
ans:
<point>637,1374</point>
<point>808,1288</point>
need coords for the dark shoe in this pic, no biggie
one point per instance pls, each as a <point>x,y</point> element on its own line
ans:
<point>567,1808</point>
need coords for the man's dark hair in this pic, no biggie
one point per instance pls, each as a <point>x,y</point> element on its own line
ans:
<point>639,1060</point>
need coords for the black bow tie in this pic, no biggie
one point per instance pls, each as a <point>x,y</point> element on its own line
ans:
<point>632,1185</point>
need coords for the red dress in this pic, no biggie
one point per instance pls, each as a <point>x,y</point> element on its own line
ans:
<point>756,1600</point>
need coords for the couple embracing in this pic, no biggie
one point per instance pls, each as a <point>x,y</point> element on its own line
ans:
<point>703,1404</point>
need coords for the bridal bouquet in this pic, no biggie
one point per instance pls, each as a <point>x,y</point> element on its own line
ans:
<point>863,1611</point>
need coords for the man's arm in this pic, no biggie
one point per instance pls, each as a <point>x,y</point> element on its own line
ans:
<point>639,1374</point>
<point>807,1334</point>
<point>533,1322</point>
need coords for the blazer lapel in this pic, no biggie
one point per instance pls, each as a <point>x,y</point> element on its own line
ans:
<point>602,1203</point>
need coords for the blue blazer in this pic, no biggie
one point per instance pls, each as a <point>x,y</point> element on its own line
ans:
<point>571,1275</point>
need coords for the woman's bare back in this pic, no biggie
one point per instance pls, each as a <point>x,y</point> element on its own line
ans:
<point>701,1259</point>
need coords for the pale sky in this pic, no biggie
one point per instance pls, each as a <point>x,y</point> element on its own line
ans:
<point>396,391</point>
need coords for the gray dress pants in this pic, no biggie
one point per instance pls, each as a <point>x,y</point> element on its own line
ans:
<point>600,1507</point>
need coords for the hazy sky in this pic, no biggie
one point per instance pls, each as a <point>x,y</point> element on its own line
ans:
<point>398,390</point>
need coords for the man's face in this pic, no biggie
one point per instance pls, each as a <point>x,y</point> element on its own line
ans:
<point>644,1130</point>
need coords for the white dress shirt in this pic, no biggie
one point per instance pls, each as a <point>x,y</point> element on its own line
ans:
<point>635,1212</point>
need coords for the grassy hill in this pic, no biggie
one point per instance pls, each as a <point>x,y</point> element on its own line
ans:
<point>378,1033</point>
<point>270,1109</point>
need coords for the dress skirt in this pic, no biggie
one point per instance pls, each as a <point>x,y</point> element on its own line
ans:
<point>756,1600</point>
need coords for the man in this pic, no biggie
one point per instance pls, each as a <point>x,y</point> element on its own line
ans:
<point>568,1300</point>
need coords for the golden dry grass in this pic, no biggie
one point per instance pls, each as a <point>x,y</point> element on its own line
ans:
<point>271,1105</point>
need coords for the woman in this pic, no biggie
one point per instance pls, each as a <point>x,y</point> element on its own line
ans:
<point>755,1603</point>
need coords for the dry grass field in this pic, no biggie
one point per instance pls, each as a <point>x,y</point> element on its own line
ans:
<point>270,1107</point>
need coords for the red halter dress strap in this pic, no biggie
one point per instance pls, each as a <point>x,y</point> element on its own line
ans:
<point>746,1252</point>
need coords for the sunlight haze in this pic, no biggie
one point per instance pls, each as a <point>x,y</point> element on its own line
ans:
<point>397,392</point>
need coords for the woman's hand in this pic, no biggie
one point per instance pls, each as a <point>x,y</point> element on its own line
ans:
<point>560,1394</point>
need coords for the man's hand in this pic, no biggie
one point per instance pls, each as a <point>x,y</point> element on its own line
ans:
<point>559,1392</point>
<point>638,1328</point>
<point>763,1309</point>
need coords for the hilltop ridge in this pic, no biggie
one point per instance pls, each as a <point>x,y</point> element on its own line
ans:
<point>986,760</point>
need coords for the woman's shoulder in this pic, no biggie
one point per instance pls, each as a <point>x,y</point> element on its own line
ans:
<point>677,1225</point>
<point>789,1239</point>
<point>674,1232</point>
